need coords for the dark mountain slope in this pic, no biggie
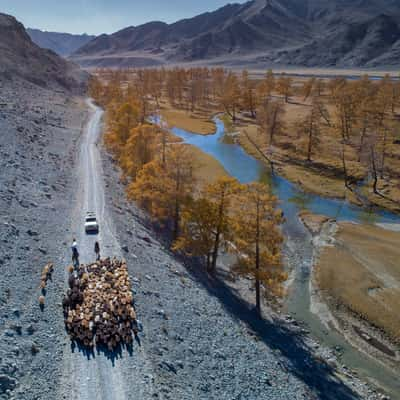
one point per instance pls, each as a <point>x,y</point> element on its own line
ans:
<point>63,44</point>
<point>296,32</point>
<point>20,57</point>
<point>354,45</point>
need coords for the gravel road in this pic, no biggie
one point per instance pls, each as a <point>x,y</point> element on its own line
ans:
<point>97,375</point>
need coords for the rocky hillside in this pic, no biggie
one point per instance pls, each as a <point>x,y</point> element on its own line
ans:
<point>21,58</point>
<point>345,33</point>
<point>63,44</point>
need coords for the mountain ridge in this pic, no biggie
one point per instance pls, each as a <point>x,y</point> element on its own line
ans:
<point>270,31</point>
<point>64,44</point>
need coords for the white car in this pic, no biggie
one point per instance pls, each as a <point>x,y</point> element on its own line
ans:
<point>91,224</point>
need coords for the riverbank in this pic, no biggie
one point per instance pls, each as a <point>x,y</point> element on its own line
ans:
<point>206,168</point>
<point>199,121</point>
<point>356,284</point>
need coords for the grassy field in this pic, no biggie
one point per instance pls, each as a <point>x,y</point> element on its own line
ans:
<point>197,122</point>
<point>362,273</point>
<point>206,168</point>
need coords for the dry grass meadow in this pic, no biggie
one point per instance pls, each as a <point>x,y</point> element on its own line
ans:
<point>362,273</point>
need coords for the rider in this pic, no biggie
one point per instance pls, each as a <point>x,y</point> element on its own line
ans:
<point>75,253</point>
<point>97,250</point>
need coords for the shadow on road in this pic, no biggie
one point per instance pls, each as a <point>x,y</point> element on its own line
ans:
<point>299,359</point>
<point>91,353</point>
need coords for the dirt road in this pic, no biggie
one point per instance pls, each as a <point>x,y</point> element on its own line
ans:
<point>99,375</point>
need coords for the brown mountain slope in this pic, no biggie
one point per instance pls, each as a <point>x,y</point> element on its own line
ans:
<point>270,31</point>
<point>21,58</point>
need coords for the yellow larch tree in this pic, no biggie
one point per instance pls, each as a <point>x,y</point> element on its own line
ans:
<point>140,148</point>
<point>257,241</point>
<point>284,86</point>
<point>270,120</point>
<point>197,234</point>
<point>164,190</point>
<point>120,121</point>
<point>249,98</point>
<point>309,129</point>
<point>220,193</point>
<point>206,223</point>
<point>230,97</point>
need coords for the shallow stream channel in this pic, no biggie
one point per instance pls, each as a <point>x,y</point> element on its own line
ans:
<point>298,245</point>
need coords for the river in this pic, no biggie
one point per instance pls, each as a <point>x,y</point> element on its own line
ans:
<point>298,246</point>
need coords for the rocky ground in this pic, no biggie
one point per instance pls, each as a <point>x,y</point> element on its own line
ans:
<point>38,136</point>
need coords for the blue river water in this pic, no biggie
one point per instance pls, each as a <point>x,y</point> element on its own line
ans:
<point>246,169</point>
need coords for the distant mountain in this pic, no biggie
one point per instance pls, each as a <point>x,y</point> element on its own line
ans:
<point>63,44</point>
<point>295,32</point>
<point>20,58</point>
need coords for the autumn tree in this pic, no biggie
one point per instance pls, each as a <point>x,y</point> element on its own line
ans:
<point>140,148</point>
<point>364,123</point>
<point>386,135</point>
<point>197,236</point>
<point>310,128</point>
<point>230,98</point>
<point>220,194</point>
<point>175,85</point>
<point>345,102</point>
<point>217,82</point>
<point>270,119</point>
<point>257,241</point>
<point>249,99</point>
<point>96,89</point>
<point>164,191</point>
<point>269,83</point>
<point>206,222</point>
<point>284,86</point>
<point>322,110</point>
<point>120,121</point>
<point>156,85</point>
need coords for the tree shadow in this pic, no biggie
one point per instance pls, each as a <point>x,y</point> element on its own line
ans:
<point>299,359</point>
